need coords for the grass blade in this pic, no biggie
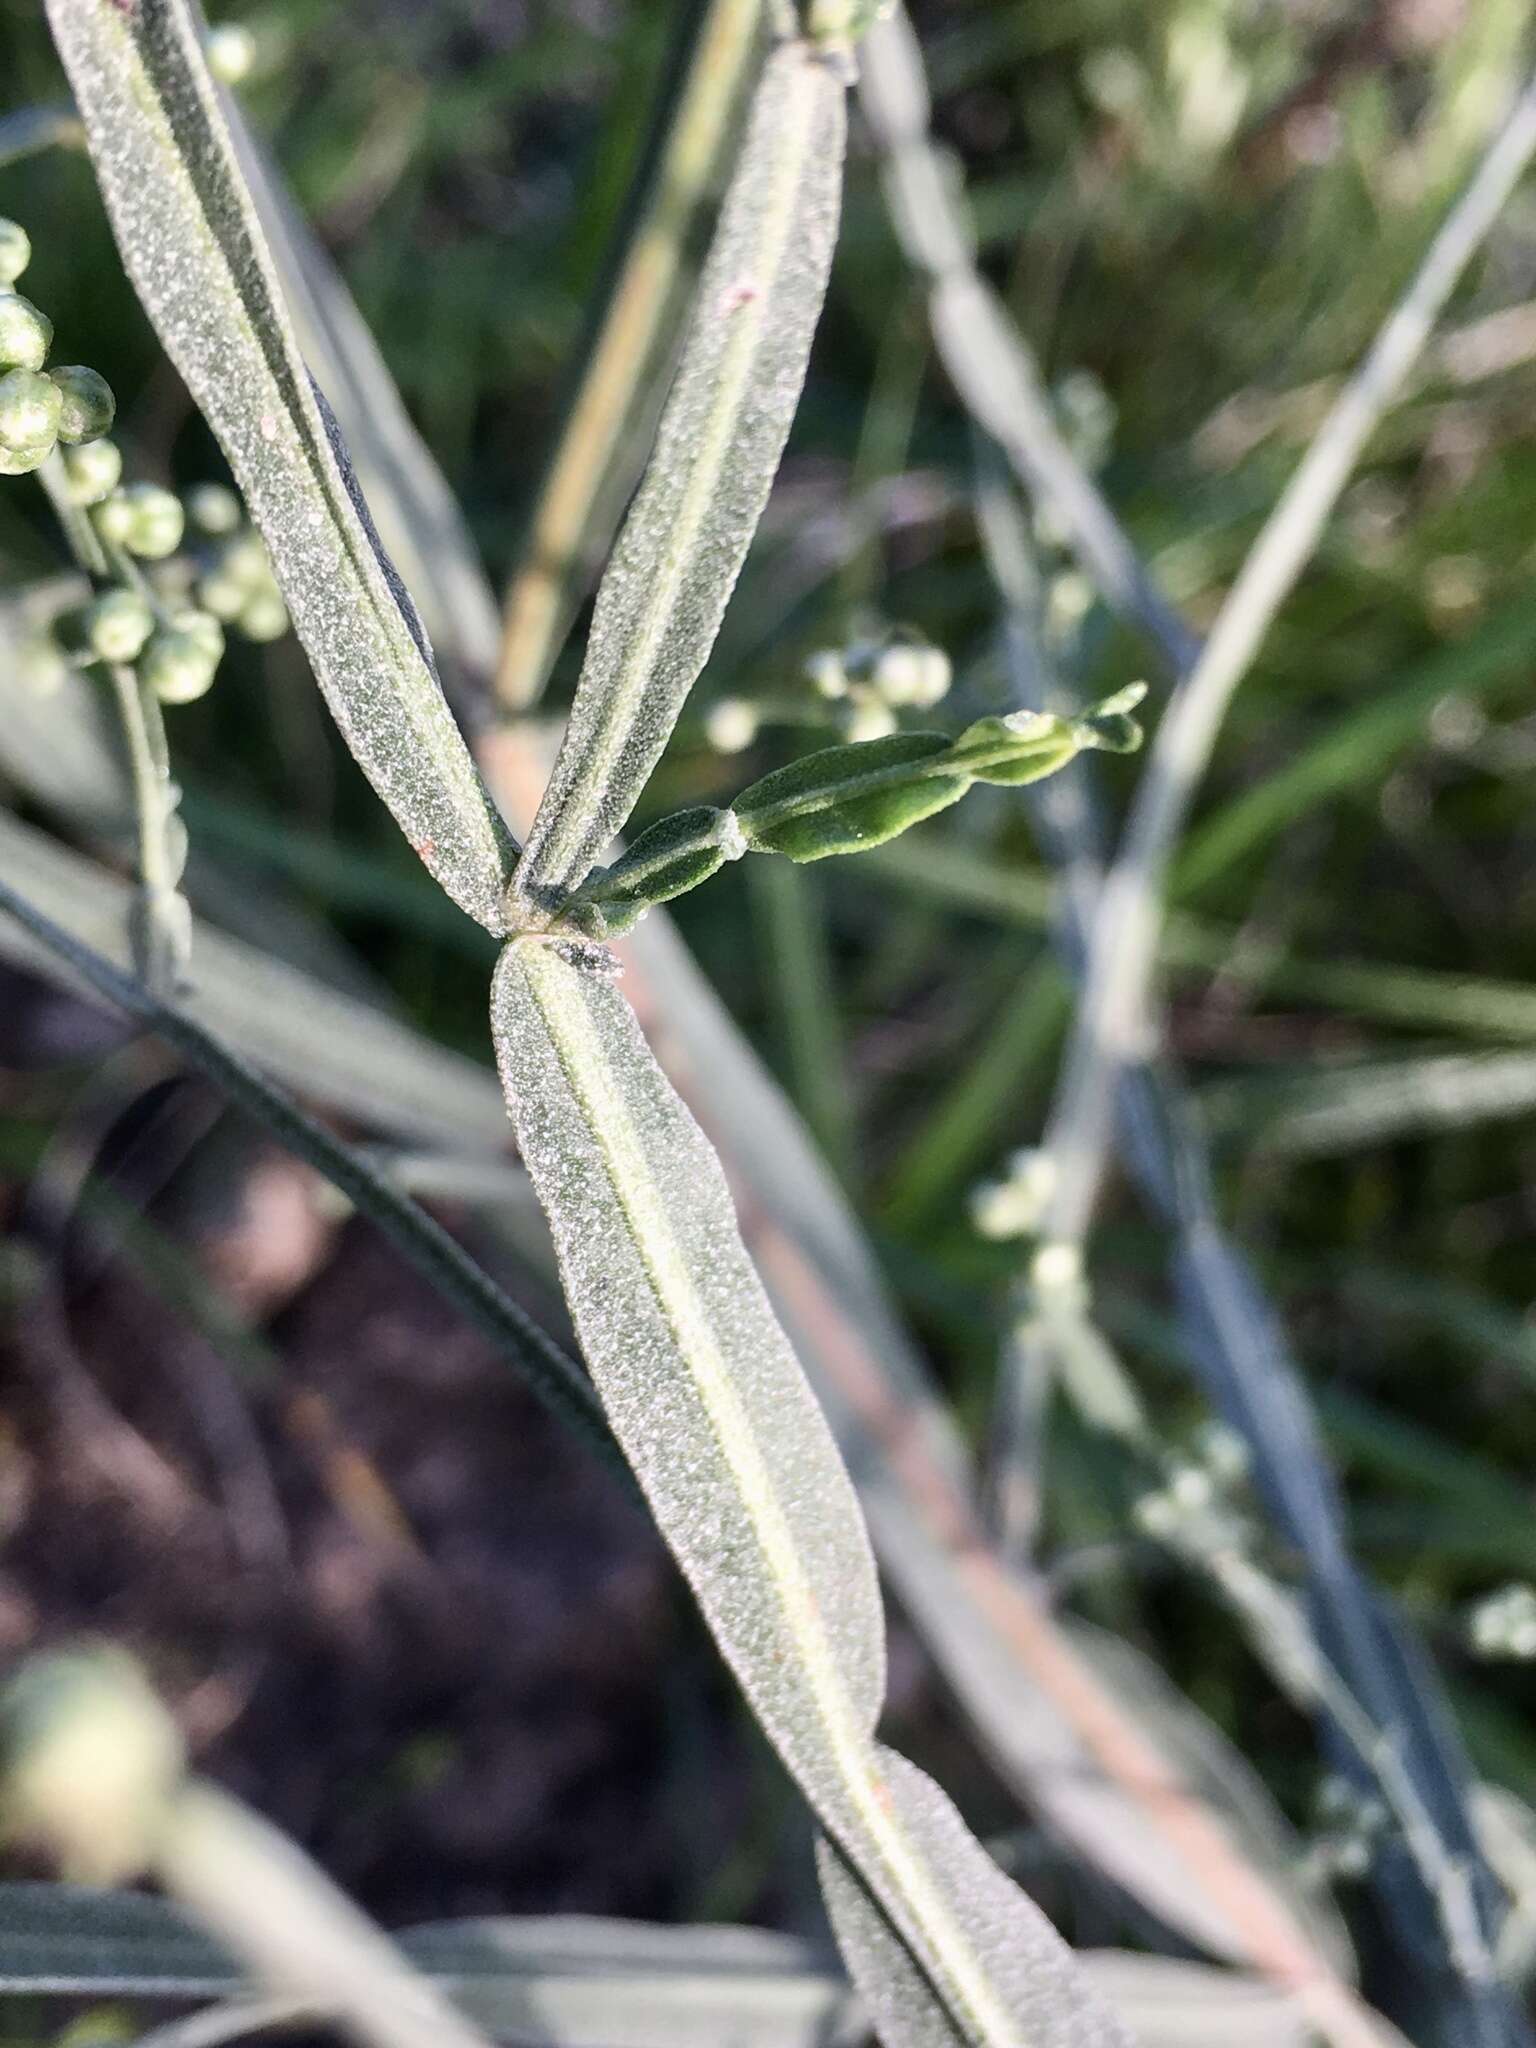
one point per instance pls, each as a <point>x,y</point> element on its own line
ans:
<point>192,244</point>
<point>719,443</point>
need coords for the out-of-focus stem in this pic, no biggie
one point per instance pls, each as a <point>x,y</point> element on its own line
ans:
<point>538,596</point>
<point>1112,1027</point>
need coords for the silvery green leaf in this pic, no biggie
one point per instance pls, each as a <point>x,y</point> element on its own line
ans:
<point>711,1408</point>
<point>193,247</point>
<point>718,446</point>
<point>418,518</point>
<point>327,1045</point>
<point>698,1379</point>
<point>1070,1748</point>
<point>1047,1994</point>
<point>70,1940</point>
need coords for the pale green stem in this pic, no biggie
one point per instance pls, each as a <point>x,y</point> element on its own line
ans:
<point>538,596</point>
<point>1112,1027</point>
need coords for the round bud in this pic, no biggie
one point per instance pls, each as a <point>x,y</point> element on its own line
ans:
<point>244,556</point>
<point>93,471</point>
<point>870,720</point>
<point>213,508</point>
<point>158,521</point>
<point>114,517</point>
<point>15,250</point>
<point>731,725</point>
<point>231,51</point>
<point>117,624</point>
<point>88,406</point>
<point>265,616</point>
<point>26,335</point>
<point>29,411</point>
<point>178,664</point>
<point>203,628</point>
<point>826,674</point>
<point>93,1761</point>
<point>225,596</point>
<point>20,461</point>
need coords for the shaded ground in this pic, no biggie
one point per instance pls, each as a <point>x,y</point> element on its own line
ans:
<point>396,1605</point>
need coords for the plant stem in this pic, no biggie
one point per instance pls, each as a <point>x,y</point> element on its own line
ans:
<point>538,596</point>
<point>161,928</point>
<point>1112,1026</point>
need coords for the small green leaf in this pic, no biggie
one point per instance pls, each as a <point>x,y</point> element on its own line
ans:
<point>668,858</point>
<point>1020,747</point>
<point>845,798</point>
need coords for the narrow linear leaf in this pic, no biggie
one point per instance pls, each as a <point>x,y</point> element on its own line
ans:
<point>710,1406</point>
<point>1047,1993</point>
<point>662,599</point>
<point>701,1385</point>
<point>192,244</point>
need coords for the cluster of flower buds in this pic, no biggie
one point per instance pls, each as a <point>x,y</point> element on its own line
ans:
<point>168,623</point>
<point>1348,1825</point>
<point>234,580</point>
<point>175,649</point>
<point>1504,1624</point>
<point>857,690</point>
<point>39,408</point>
<point>1014,1204</point>
<point>1195,1511</point>
<point>874,678</point>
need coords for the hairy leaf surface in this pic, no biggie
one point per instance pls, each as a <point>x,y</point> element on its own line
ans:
<point>662,599</point>
<point>194,249</point>
<point>713,1412</point>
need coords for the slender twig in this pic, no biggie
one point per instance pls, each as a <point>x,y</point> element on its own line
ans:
<point>624,345</point>
<point>1112,1027</point>
<point>424,1242</point>
<point>984,353</point>
<point>161,921</point>
<point>29,130</point>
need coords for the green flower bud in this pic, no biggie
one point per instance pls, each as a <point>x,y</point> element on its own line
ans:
<point>117,624</point>
<point>20,461</point>
<point>910,672</point>
<point>26,335</point>
<point>93,1761</point>
<point>265,616</point>
<point>231,51</point>
<point>88,405</point>
<point>204,629</point>
<point>115,517</point>
<point>29,411</point>
<point>177,665</point>
<point>244,555</point>
<point>15,250</point>
<point>225,596</point>
<point>213,508</point>
<point>158,521</point>
<point>93,471</point>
